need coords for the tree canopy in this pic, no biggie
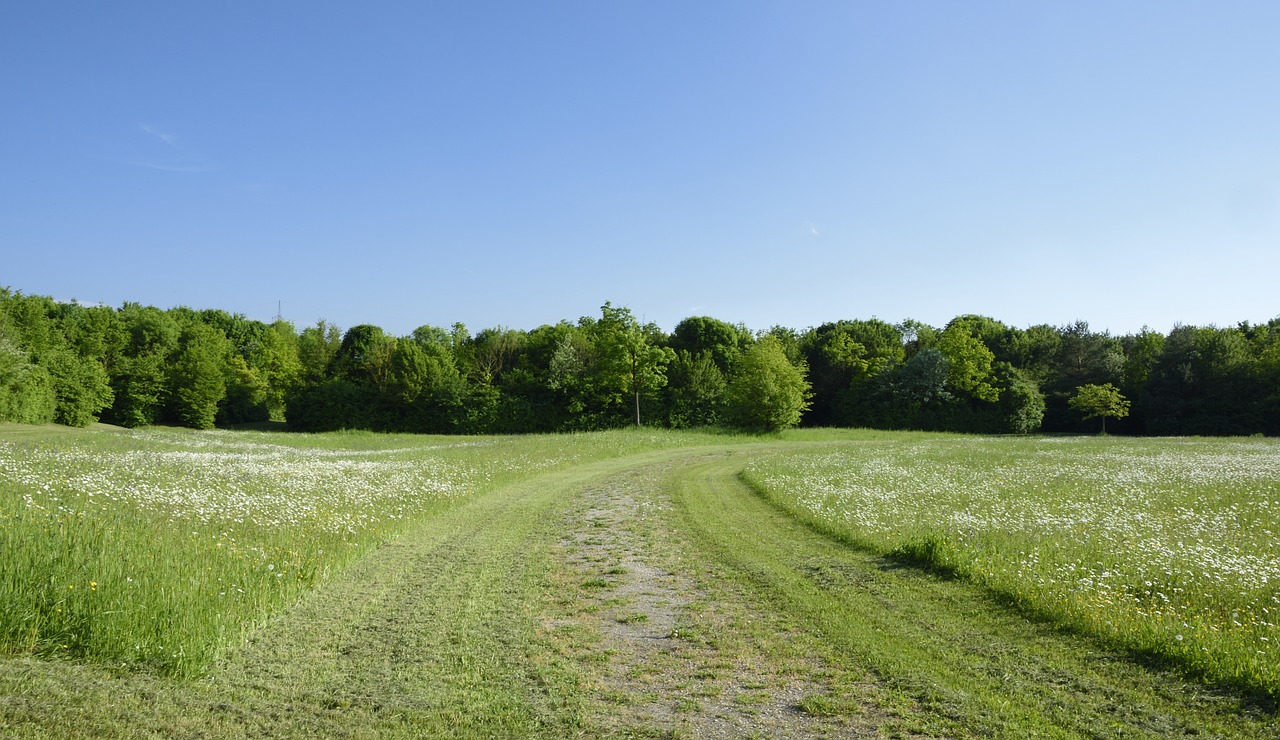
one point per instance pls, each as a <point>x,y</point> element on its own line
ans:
<point>137,365</point>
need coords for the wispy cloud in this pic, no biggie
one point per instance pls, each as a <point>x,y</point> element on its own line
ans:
<point>811,228</point>
<point>175,156</point>
<point>162,136</point>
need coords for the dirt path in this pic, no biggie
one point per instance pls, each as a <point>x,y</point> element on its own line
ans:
<point>671,656</point>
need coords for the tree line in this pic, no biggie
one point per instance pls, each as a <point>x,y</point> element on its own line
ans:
<point>139,365</point>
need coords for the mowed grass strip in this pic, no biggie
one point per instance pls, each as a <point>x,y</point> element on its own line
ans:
<point>436,634</point>
<point>970,665</point>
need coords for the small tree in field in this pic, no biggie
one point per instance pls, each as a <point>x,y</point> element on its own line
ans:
<point>1100,400</point>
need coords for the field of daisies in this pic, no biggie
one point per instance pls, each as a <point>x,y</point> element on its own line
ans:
<point>1164,547</point>
<point>156,549</point>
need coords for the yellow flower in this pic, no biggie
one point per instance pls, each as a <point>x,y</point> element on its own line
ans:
<point>93,585</point>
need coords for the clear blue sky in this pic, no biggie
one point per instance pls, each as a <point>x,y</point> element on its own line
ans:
<point>520,163</point>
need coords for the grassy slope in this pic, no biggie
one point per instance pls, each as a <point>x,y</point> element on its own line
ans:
<point>438,633</point>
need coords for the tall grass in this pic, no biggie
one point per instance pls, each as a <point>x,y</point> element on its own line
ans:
<point>1167,547</point>
<point>159,548</point>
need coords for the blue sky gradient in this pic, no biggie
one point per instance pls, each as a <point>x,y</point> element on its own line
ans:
<point>517,164</point>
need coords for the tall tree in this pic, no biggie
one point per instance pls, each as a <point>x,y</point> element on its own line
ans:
<point>695,390</point>
<point>632,359</point>
<point>969,363</point>
<point>26,391</point>
<point>80,385</point>
<point>767,393</point>
<point>722,341</point>
<point>844,359</point>
<point>364,357</point>
<point>278,358</point>
<point>140,370</point>
<point>317,346</point>
<point>199,375</point>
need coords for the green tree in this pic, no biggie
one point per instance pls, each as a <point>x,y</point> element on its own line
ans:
<point>723,341</point>
<point>1100,400</point>
<point>140,367</point>
<point>844,359</point>
<point>631,359</point>
<point>1083,357</point>
<point>1020,409</point>
<point>695,390</point>
<point>495,351</point>
<point>245,399</point>
<point>914,394</point>
<point>317,346</point>
<point>81,387</point>
<point>26,390</point>
<point>199,375</point>
<point>767,393</point>
<point>969,362</point>
<point>278,360</point>
<point>364,357</point>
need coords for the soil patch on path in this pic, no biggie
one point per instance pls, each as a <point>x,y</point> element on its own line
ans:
<point>671,651</point>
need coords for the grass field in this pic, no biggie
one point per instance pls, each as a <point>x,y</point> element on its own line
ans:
<point>635,584</point>
<point>1164,546</point>
<point>159,548</point>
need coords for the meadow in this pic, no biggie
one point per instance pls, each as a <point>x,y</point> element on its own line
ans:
<point>157,549</point>
<point>1164,548</point>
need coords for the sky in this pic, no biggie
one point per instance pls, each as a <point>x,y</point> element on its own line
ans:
<point>767,163</point>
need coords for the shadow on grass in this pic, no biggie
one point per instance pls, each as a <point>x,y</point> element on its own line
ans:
<point>932,555</point>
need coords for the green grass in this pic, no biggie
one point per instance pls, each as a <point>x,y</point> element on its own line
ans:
<point>160,548</point>
<point>420,586</point>
<point>944,657</point>
<point>1167,547</point>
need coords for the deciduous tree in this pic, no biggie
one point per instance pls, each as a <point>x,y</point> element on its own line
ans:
<point>630,357</point>
<point>767,392</point>
<point>1100,400</point>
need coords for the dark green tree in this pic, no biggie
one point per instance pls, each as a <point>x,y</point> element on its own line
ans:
<point>1207,381</point>
<point>1083,357</point>
<point>724,342</point>
<point>364,357</point>
<point>140,369</point>
<point>844,359</point>
<point>695,390</point>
